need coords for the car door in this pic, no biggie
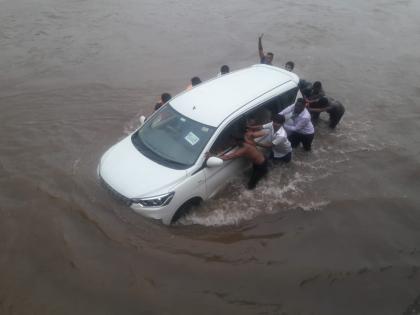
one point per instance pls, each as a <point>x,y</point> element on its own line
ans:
<point>216,177</point>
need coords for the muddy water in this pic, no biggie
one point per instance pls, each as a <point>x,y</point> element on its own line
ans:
<point>336,232</point>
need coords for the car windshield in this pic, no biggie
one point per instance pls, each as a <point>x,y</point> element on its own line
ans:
<point>172,139</point>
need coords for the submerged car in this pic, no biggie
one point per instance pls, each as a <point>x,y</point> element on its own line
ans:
<point>163,168</point>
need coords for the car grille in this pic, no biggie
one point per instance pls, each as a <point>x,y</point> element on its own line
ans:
<point>116,194</point>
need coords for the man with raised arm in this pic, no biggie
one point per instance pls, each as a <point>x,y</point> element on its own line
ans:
<point>265,58</point>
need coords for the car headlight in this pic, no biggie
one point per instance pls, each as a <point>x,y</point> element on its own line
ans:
<point>157,201</point>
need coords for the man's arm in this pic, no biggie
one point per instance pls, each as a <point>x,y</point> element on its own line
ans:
<point>260,47</point>
<point>287,110</point>
<point>257,134</point>
<point>230,156</point>
<point>267,145</point>
<point>301,123</point>
<point>317,110</point>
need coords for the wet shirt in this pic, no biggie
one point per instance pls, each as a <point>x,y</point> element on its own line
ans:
<point>297,123</point>
<point>314,97</point>
<point>281,145</point>
<point>335,107</point>
<point>264,61</point>
<point>332,107</point>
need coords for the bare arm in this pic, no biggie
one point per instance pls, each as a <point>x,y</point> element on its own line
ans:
<point>230,156</point>
<point>260,47</point>
<point>257,134</point>
<point>267,145</point>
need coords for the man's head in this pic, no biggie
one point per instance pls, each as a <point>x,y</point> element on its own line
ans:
<point>165,97</point>
<point>278,121</point>
<point>224,69</point>
<point>289,66</point>
<point>317,87</point>
<point>269,57</point>
<point>195,81</point>
<point>299,106</point>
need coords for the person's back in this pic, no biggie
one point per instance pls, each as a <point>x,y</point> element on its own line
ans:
<point>248,150</point>
<point>336,111</point>
<point>253,154</point>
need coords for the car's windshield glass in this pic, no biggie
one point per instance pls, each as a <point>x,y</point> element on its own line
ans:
<point>172,138</point>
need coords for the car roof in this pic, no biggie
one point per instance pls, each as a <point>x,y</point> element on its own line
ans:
<point>212,101</point>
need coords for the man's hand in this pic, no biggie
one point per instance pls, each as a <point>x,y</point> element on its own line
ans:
<point>261,36</point>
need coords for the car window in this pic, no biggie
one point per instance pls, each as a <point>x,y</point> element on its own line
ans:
<point>224,141</point>
<point>264,112</point>
<point>285,99</point>
<point>171,138</point>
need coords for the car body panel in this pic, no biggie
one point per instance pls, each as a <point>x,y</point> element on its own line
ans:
<point>235,90</point>
<point>133,175</point>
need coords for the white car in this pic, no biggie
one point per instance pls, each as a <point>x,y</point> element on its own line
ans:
<point>161,169</point>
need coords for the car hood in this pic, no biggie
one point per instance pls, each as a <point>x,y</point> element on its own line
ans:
<point>134,175</point>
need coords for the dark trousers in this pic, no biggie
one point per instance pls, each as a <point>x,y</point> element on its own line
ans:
<point>296,138</point>
<point>285,159</point>
<point>335,115</point>
<point>258,172</point>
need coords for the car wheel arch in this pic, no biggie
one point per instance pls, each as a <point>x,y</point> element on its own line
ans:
<point>185,208</point>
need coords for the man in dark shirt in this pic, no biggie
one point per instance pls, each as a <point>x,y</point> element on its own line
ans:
<point>312,97</point>
<point>334,108</point>
<point>165,97</point>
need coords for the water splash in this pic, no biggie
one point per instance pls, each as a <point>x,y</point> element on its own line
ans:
<point>291,186</point>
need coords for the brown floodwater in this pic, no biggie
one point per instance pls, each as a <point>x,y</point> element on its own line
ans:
<point>335,232</point>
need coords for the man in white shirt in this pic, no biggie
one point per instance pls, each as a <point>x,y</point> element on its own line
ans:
<point>274,137</point>
<point>298,125</point>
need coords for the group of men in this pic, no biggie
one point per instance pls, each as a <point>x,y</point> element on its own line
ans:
<point>289,128</point>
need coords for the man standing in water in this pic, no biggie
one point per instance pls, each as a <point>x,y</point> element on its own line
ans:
<point>334,108</point>
<point>281,150</point>
<point>265,58</point>
<point>298,125</point>
<point>248,149</point>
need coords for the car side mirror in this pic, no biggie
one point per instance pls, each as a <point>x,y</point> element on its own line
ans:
<point>214,161</point>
